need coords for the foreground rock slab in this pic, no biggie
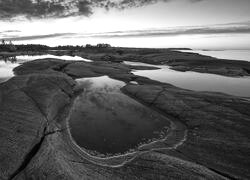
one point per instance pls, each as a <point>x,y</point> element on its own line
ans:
<point>36,142</point>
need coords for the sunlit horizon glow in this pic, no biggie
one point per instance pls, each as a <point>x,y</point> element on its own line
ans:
<point>207,24</point>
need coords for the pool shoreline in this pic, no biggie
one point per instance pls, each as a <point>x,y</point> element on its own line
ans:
<point>143,148</point>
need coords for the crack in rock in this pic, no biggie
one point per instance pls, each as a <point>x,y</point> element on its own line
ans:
<point>31,154</point>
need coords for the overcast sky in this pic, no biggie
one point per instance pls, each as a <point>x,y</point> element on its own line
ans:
<point>223,24</point>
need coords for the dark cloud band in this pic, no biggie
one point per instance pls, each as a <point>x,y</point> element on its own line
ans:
<point>46,36</point>
<point>174,32</point>
<point>10,9</point>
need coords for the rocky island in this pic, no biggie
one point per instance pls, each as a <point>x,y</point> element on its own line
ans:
<point>208,136</point>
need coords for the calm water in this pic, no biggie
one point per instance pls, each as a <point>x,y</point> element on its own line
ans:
<point>7,64</point>
<point>105,120</point>
<point>198,81</point>
<point>6,70</point>
<point>225,54</point>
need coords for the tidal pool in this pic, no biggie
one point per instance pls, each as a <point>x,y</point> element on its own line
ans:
<point>106,121</point>
<point>239,86</point>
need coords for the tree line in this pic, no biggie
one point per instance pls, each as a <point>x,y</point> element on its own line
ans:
<point>10,47</point>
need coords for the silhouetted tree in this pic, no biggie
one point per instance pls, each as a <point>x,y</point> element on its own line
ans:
<point>3,42</point>
<point>88,46</point>
<point>7,46</point>
<point>103,45</point>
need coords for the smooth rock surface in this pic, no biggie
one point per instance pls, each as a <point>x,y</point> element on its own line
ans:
<point>209,140</point>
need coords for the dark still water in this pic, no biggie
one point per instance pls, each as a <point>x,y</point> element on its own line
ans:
<point>108,122</point>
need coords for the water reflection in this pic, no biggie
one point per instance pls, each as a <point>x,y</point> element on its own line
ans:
<point>107,121</point>
<point>198,81</point>
<point>11,59</point>
<point>7,64</point>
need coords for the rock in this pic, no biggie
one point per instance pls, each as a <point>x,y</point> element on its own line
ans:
<point>29,108</point>
<point>209,138</point>
<point>41,66</point>
<point>180,68</point>
<point>217,124</point>
<point>179,61</point>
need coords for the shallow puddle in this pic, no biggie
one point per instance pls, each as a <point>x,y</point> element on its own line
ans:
<point>105,120</point>
<point>238,86</point>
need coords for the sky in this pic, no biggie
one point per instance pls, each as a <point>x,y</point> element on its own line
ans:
<point>197,24</point>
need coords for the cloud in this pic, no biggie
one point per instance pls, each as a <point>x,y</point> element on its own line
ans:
<point>229,28</point>
<point>10,9</point>
<point>10,31</point>
<point>84,8</point>
<point>30,8</point>
<point>22,38</point>
<point>232,28</point>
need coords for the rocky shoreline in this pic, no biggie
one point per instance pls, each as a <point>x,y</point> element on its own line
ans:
<point>179,61</point>
<point>209,138</point>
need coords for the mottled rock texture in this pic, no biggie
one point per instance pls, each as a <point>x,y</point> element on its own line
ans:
<point>36,142</point>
